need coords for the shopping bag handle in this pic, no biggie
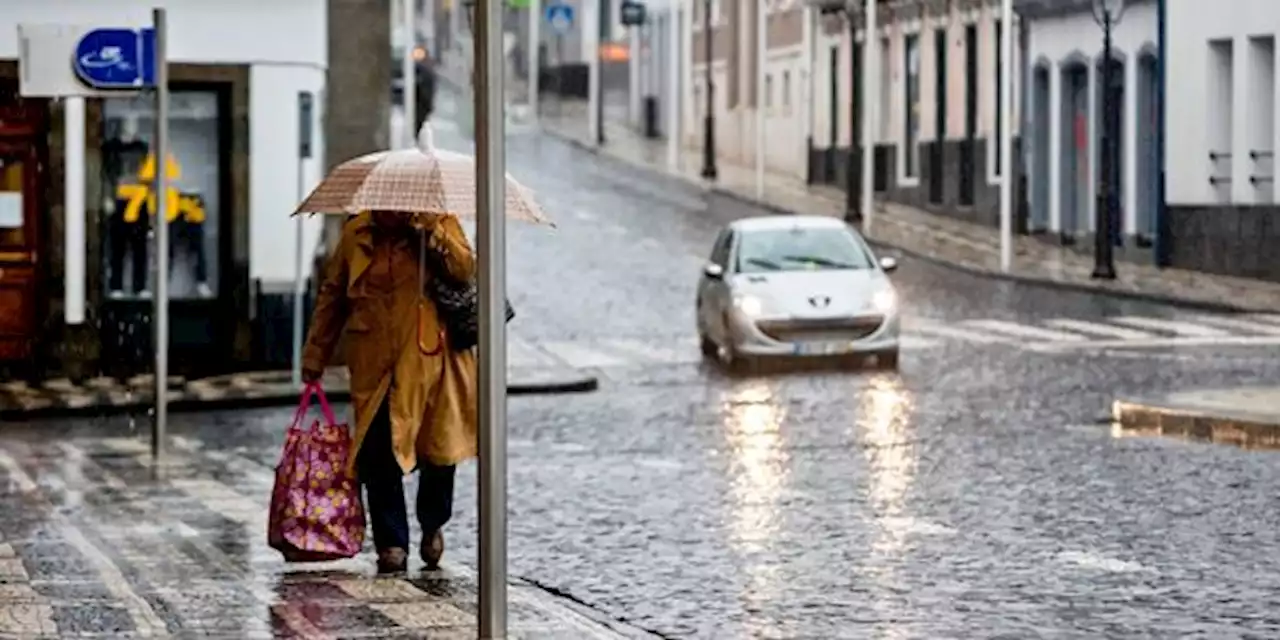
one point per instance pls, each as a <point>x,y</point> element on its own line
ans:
<point>316,389</point>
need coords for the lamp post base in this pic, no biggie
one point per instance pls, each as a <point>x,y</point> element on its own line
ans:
<point>1103,272</point>
<point>709,149</point>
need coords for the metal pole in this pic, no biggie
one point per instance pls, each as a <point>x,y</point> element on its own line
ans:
<point>762,43</point>
<point>594,95</point>
<point>161,227</point>
<point>409,71</point>
<point>298,285</point>
<point>535,57</point>
<point>709,119</point>
<point>853,179</point>
<point>602,18</point>
<point>1006,136</point>
<point>1104,268</point>
<point>1161,237</point>
<point>491,242</point>
<point>673,87</point>
<point>871,112</point>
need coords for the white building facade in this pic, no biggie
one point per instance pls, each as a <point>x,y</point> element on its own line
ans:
<point>937,114</point>
<point>1221,137</point>
<point>1066,118</point>
<point>237,69</point>
<point>735,72</point>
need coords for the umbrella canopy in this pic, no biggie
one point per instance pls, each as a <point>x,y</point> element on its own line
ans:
<point>417,180</point>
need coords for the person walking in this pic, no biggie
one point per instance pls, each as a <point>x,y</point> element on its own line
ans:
<point>413,396</point>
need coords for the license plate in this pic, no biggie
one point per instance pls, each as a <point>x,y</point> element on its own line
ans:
<point>821,348</point>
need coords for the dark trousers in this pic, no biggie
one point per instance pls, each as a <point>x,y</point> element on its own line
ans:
<point>128,239</point>
<point>384,486</point>
<point>189,236</point>
<point>131,240</point>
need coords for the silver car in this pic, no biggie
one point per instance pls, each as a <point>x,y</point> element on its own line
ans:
<point>796,286</point>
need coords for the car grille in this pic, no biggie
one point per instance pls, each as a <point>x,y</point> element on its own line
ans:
<point>823,330</point>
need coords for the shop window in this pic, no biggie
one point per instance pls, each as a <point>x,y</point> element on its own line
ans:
<point>129,200</point>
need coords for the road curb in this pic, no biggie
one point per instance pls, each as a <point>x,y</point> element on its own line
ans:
<point>1250,431</point>
<point>563,386</point>
<point>1048,283</point>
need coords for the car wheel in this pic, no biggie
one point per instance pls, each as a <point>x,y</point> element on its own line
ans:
<point>887,360</point>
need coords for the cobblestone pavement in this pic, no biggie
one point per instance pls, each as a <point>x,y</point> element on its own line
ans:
<point>980,492</point>
<point>966,245</point>
<point>99,542</point>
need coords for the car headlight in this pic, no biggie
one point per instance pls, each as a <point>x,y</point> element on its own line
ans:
<point>750,305</point>
<point>884,301</point>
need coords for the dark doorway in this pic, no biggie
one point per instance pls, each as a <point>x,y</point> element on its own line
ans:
<point>1039,135</point>
<point>939,117</point>
<point>968,147</point>
<point>1148,163</point>
<point>1074,152</point>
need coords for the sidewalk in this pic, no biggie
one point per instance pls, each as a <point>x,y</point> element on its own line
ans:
<point>97,542</point>
<point>915,232</point>
<point>531,372</point>
<point>1247,417</point>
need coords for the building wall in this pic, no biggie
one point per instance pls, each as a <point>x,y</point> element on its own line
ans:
<point>1055,45</point>
<point>736,74</point>
<point>938,157</point>
<point>1222,215</point>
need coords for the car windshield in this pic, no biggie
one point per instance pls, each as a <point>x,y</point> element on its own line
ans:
<point>800,249</point>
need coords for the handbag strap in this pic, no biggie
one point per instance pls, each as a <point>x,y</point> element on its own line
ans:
<point>304,404</point>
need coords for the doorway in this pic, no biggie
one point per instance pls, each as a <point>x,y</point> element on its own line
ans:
<point>21,186</point>
<point>1074,154</point>
<point>1040,149</point>
<point>969,147</point>
<point>1148,196</point>
<point>940,115</point>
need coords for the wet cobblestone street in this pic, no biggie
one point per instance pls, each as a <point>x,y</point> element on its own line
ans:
<point>980,492</point>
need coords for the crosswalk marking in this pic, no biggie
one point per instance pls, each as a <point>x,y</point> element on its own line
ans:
<point>1170,326</point>
<point>576,355</point>
<point>1051,335</point>
<point>1238,324</point>
<point>951,331</point>
<point>521,353</point>
<point>1025,331</point>
<point>656,352</point>
<point>1098,328</point>
<point>1270,318</point>
<point>908,342</point>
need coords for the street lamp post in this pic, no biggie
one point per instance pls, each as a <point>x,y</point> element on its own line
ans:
<point>1107,13</point>
<point>853,175</point>
<point>709,119</point>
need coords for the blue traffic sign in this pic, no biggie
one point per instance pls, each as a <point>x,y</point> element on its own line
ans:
<point>116,58</point>
<point>560,17</point>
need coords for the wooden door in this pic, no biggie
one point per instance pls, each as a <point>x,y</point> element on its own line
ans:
<point>19,242</point>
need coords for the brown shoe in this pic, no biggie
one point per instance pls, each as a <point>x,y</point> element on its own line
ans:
<point>393,560</point>
<point>432,549</point>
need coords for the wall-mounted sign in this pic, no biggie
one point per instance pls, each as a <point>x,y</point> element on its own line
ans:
<point>633,13</point>
<point>560,16</point>
<point>116,58</point>
<point>306,111</point>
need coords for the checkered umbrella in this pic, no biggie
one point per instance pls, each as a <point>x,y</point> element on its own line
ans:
<point>418,180</point>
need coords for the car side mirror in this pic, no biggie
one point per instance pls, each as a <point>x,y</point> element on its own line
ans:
<point>889,265</point>
<point>713,271</point>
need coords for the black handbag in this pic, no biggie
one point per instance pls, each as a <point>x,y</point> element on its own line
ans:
<point>457,304</point>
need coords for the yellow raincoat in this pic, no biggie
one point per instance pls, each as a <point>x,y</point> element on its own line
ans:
<point>395,343</point>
